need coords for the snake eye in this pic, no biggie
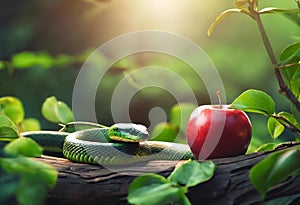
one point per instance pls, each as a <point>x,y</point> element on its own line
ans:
<point>116,129</point>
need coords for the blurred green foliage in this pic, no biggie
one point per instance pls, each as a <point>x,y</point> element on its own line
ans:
<point>47,34</point>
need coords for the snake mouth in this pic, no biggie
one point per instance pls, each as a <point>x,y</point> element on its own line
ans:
<point>122,139</point>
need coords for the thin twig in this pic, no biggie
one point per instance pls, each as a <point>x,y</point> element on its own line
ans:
<point>287,124</point>
<point>286,66</point>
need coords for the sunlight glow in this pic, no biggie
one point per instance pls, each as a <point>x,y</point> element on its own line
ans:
<point>161,6</point>
<point>164,11</point>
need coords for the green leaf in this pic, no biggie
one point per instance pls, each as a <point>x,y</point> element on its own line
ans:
<point>289,73</point>
<point>180,114</point>
<point>290,57</point>
<point>146,180</point>
<point>274,169</point>
<point>13,108</point>
<point>24,146</point>
<point>295,113</point>
<point>164,132</point>
<point>8,130</point>
<point>26,59</point>
<point>27,166</point>
<point>275,128</point>
<point>153,189</point>
<point>291,14</point>
<point>30,124</point>
<point>155,194</point>
<point>255,143</point>
<point>295,83</point>
<point>222,16</point>
<point>254,101</point>
<point>192,173</point>
<point>184,200</point>
<point>290,52</point>
<point>31,191</point>
<point>267,147</point>
<point>56,111</point>
<point>289,117</point>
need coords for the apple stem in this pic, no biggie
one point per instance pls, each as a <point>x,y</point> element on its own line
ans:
<point>218,93</point>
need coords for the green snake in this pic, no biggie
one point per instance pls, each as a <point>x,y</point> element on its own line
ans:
<point>123,143</point>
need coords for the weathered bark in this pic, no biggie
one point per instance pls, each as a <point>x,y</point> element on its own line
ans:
<point>90,184</point>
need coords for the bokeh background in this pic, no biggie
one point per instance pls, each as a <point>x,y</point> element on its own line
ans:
<point>71,28</point>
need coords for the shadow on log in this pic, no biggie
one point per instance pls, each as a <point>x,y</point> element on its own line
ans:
<point>90,184</point>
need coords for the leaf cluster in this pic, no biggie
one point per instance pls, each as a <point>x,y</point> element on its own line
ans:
<point>21,176</point>
<point>12,108</point>
<point>250,8</point>
<point>257,101</point>
<point>290,67</point>
<point>151,189</point>
<point>280,165</point>
<point>26,178</point>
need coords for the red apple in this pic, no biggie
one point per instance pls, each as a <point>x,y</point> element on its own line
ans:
<point>215,131</point>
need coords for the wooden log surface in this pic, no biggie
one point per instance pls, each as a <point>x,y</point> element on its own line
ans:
<point>91,184</point>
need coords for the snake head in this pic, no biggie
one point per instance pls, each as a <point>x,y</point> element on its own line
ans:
<point>128,132</point>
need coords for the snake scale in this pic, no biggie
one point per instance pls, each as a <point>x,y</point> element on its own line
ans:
<point>123,143</point>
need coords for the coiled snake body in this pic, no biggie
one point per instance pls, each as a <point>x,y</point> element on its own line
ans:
<point>116,145</point>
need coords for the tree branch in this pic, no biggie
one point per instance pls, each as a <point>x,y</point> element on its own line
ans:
<point>90,184</point>
<point>284,89</point>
